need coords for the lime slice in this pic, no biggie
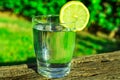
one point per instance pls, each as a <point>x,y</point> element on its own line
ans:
<point>76,12</point>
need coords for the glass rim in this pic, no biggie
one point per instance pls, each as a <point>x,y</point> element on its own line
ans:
<point>52,20</point>
<point>45,15</point>
<point>50,15</point>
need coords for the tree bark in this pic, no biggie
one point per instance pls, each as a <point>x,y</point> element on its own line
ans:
<point>104,66</point>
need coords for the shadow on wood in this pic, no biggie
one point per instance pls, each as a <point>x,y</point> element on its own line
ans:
<point>28,61</point>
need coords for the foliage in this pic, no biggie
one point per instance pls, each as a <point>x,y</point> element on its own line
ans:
<point>105,13</point>
<point>33,7</point>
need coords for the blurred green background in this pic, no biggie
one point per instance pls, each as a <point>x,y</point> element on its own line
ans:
<point>102,33</point>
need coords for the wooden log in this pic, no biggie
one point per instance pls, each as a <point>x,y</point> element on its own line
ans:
<point>104,66</point>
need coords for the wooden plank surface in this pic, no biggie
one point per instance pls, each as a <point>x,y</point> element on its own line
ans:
<point>104,66</point>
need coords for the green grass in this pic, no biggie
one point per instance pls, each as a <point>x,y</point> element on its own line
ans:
<point>87,44</point>
<point>15,40</point>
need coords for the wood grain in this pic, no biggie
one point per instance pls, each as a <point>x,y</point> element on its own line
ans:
<point>104,66</point>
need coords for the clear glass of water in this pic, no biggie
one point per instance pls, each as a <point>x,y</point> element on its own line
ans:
<point>54,46</point>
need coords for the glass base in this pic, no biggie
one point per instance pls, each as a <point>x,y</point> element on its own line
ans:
<point>53,70</point>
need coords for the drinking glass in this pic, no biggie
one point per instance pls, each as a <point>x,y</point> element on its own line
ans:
<point>53,44</point>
